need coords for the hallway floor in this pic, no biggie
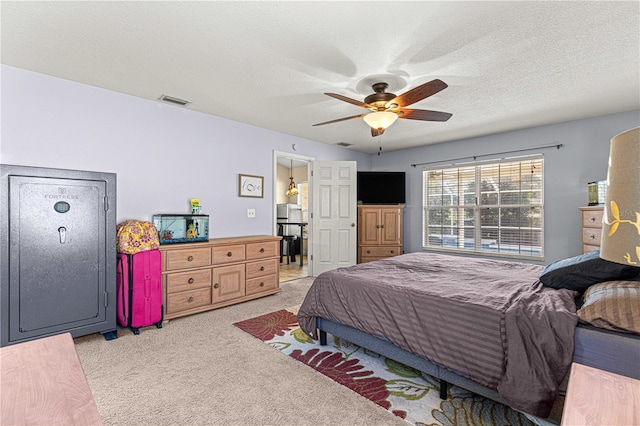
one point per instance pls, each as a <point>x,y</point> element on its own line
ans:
<point>293,270</point>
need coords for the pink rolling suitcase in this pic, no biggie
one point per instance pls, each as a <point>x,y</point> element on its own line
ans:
<point>139,289</point>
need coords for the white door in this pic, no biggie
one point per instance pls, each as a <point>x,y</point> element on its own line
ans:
<point>333,215</point>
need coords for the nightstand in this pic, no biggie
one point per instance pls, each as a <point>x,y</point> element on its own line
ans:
<point>597,397</point>
<point>591,227</point>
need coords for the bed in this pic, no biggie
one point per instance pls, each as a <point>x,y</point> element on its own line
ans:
<point>489,326</point>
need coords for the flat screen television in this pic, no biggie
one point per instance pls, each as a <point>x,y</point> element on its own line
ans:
<point>381,188</point>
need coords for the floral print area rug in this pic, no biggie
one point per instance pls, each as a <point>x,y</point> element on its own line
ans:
<point>405,392</point>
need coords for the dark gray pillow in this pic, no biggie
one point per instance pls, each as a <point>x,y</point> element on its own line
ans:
<point>580,272</point>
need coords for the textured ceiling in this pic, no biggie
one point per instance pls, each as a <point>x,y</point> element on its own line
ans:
<point>509,65</point>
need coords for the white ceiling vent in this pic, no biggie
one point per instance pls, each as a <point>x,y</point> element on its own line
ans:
<point>344,144</point>
<point>173,100</point>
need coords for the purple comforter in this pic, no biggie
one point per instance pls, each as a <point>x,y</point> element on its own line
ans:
<point>488,320</point>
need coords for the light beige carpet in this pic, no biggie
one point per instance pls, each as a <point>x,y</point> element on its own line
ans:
<point>201,370</point>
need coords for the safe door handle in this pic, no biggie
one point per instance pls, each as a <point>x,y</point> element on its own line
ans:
<point>62,232</point>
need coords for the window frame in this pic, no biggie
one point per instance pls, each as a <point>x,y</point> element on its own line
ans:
<point>477,227</point>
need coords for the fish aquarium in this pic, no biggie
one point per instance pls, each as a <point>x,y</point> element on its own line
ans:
<point>181,228</point>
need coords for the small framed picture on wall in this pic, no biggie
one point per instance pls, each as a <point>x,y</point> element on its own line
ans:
<point>250,186</point>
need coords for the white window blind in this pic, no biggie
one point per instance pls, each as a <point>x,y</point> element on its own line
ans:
<point>490,207</point>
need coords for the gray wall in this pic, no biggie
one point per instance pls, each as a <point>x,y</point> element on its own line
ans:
<point>163,155</point>
<point>567,170</point>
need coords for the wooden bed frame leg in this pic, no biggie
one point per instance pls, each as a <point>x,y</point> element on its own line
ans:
<point>443,389</point>
<point>323,337</point>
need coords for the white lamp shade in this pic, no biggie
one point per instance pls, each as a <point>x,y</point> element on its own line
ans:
<point>621,224</point>
<point>380,119</point>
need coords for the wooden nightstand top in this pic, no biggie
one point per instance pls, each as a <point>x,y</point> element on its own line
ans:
<point>597,397</point>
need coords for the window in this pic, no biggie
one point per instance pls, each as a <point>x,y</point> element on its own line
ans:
<point>489,207</point>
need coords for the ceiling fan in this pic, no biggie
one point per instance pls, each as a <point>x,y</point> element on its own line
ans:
<point>387,107</point>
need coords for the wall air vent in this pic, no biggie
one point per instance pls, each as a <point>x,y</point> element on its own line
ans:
<point>173,100</point>
<point>344,144</point>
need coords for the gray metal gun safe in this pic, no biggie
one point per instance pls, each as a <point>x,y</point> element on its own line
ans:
<point>58,272</point>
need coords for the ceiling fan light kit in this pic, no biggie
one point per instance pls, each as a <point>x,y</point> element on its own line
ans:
<point>380,119</point>
<point>387,107</point>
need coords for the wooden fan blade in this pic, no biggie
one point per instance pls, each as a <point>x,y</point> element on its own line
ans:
<point>419,93</point>
<point>376,132</point>
<point>424,115</point>
<point>340,119</point>
<point>349,100</point>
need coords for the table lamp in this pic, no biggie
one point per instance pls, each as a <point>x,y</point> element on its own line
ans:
<point>621,223</point>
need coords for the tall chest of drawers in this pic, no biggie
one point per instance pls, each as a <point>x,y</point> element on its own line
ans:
<point>591,227</point>
<point>199,277</point>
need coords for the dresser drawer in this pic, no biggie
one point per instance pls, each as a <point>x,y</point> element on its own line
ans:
<point>182,281</point>
<point>228,254</point>
<point>257,285</point>
<point>186,300</point>
<point>591,236</point>
<point>380,251</point>
<point>262,268</point>
<point>262,250</point>
<point>371,259</point>
<point>586,248</point>
<point>188,258</point>
<point>592,218</point>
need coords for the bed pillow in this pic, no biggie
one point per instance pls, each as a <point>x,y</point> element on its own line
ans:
<point>614,305</point>
<point>580,272</point>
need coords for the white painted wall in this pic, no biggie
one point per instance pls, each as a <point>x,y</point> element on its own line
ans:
<point>163,155</point>
<point>567,170</point>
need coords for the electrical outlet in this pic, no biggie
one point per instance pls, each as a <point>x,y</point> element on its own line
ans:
<point>251,212</point>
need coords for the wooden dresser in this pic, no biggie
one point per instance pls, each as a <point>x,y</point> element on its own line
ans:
<point>591,227</point>
<point>198,277</point>
<point>379,232</point>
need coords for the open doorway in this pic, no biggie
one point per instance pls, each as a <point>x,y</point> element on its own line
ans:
<point>291,213</point>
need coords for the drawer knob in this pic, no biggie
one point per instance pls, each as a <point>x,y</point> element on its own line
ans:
<point>592,219</point>
<point>190,299</point>
<point>262,268</point>
<point>261,284</point>
<point>593,237</point>
<point>229,254</point>
<point>368,251</point>
<point>190,259</point>
<point>392,251</point>
<point>191,280</point>
<point>216,285</point>
<point>262,250</point>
